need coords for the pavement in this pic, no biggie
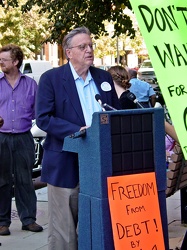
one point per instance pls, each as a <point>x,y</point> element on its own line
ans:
<point>176,230</point>
<point>25,240</point>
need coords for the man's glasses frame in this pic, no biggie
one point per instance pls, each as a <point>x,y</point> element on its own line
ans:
<point>5,60</point>
<point>84,46</point>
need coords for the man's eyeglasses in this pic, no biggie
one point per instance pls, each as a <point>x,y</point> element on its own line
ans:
<point>4,60</point>
<point>83,46</point>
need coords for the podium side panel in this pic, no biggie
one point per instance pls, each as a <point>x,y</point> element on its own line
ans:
<point>84,224</point>
<point>102,237</point>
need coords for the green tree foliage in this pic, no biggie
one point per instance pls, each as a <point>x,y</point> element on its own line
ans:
<point>65,15</point>
<point>28,30</point>
<point>107,45</point>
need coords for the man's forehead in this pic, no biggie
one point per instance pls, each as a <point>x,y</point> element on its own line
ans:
<point>81,37</point>
<point>4,53</point>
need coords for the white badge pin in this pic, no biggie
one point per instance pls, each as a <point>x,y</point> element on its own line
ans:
<point>105,86</point>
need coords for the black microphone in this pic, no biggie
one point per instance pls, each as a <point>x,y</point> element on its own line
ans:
<point>132,97</point>
<point>98,99</point>
<point>105,105</point>
<point>108,106</point>
<point>78,134</point>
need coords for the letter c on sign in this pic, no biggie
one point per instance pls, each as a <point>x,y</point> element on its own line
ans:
<point>185,118</point>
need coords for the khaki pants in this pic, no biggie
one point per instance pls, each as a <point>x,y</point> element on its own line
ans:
<point>63,218</point>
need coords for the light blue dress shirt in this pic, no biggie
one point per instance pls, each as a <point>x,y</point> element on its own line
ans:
<point>141,89</point>
<point>86,90</point>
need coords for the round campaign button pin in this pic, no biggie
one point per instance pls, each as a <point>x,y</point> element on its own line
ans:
<point>105,86</point>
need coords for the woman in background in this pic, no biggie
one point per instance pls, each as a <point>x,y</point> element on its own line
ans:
<point>121,82</point>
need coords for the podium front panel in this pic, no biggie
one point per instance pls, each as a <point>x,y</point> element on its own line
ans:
<point>132,144</point>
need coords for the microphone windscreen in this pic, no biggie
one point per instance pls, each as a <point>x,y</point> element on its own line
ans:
<point>97,97</point>
<point>131,96</point>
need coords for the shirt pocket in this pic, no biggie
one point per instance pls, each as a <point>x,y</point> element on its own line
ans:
<point>26,105</point>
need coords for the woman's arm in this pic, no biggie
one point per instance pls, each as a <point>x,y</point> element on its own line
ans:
<point>170,130</point>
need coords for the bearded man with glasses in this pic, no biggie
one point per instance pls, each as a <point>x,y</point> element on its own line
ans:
<point>17,153</point>
<point>65,104</point>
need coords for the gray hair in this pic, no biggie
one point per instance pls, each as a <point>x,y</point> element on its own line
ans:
<point>68,38</point>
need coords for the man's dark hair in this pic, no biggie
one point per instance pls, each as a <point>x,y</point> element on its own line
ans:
<point>132,73</point>
<point>15,52</point>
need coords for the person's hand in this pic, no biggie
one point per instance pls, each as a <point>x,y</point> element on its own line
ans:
<point>82,128</point>
<point>1,121</point>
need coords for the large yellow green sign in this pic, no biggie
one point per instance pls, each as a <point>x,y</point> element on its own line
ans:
<point>163,25</point>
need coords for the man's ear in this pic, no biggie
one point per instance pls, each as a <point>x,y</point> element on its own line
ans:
<point>15,62</point>
<point>68,53</point>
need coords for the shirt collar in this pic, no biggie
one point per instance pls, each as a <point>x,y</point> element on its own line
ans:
<point>3,75</point>
<point>76,76</point>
